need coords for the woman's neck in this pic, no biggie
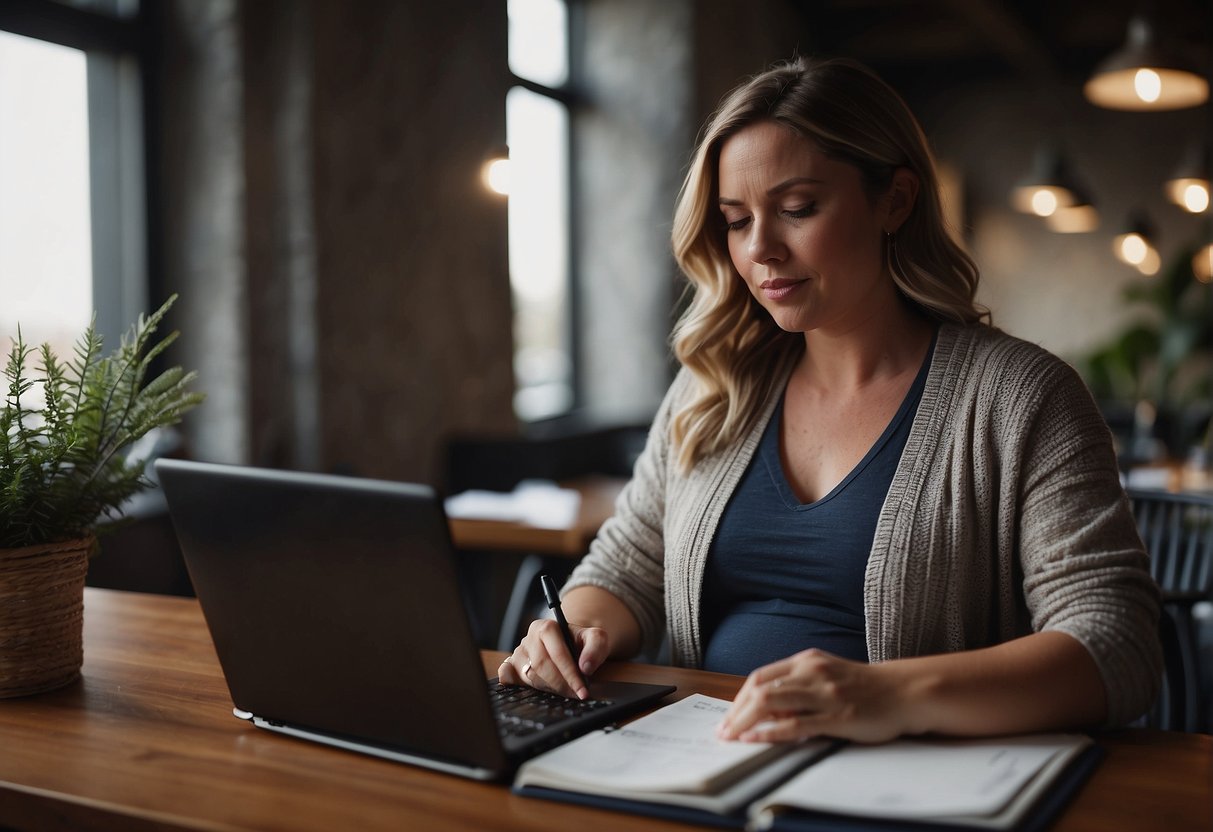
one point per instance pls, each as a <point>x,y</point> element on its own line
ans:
<point>889,341</point>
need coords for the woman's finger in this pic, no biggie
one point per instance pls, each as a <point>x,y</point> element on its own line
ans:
<point>763,702</point>
<point>793,728</point>
<point>553,664</point>
<point>542,660</point>
<point>505,673</point>
<point>594,649</point>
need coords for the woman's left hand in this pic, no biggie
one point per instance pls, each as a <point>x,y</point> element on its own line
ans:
<point>815,694</point>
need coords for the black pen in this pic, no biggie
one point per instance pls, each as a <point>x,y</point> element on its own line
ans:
<point>553,598</point>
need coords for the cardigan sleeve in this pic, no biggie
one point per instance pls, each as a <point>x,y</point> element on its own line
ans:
<point>1086,572</point>
<point>627,558</point>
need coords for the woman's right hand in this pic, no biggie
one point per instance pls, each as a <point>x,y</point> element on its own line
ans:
<point>542,660</point>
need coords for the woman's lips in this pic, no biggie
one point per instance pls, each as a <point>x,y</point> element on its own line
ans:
<point>780,287</point>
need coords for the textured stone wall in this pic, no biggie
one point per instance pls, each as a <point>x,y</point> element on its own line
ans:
<point>204,192</point>
<point>343,271</point>
<point>280,234</point>
<point>632,139</point>
<point>413,292</point>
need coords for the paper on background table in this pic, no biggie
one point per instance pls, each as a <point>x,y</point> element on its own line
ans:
<point>918,779</point>
<point>537,503</point>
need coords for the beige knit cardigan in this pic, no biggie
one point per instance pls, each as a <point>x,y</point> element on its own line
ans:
<point>1005,517</point>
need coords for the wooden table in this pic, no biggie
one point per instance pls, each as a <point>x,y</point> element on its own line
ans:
<point>147,741</point>
<point>597,504</point>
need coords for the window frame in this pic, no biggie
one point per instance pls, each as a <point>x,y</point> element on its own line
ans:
<point>120,118</point>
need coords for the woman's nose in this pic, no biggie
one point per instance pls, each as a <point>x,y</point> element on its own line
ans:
<point>766,246</point>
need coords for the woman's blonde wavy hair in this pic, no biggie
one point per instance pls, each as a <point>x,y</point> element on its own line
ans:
<point>725,338</point>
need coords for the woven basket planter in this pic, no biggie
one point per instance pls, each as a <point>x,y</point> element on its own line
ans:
<point>42,616</point>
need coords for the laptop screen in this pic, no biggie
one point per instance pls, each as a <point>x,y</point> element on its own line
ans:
<point>334,606</point>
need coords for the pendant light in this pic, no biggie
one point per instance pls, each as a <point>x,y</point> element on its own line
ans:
<point>1202,263</point>
<point>1135,245</point>
<point>1048,187</point>
<point>1074,219</point>
<point>1188,186</point>
<point>1079,218</point>
<point>1145,75</point>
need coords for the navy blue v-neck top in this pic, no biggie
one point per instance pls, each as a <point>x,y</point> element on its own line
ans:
<point>783,576</point>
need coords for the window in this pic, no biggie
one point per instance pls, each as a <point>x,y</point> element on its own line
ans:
<point>537,131</point>
<point>72,217</point>
<point>46,269</point>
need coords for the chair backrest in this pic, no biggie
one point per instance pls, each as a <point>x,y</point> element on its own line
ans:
<point>1177,529</point>
<point>499,463</point>
<point>1171,710</point>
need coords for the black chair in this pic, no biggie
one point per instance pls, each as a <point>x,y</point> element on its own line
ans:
<point>1177,529</point>
<point>1170,711</point>
<point>500,463</point>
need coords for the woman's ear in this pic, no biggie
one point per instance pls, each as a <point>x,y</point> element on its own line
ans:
<point>903,192</point>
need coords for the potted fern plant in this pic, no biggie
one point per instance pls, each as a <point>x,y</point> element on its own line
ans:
<point>65,430</point>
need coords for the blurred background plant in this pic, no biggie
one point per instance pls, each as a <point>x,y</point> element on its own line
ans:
<point>1155,379</point>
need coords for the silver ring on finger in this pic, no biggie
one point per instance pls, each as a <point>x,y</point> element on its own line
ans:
<point>526,670</point>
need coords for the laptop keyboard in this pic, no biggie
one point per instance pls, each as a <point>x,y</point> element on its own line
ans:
<point>522,710</point>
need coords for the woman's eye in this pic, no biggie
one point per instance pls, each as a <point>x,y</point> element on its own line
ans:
<point>737,225</point>
<point>798,213</point>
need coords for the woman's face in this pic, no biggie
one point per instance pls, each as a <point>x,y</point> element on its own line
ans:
<point>802,231</point>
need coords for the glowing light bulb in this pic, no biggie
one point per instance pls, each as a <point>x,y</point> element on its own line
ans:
<point>1202,264</point>
<point>1044,203</point>
<point>1196,198</point>
<point>1133,249</point>
<point>496,175</point>
<point>1148,85</point>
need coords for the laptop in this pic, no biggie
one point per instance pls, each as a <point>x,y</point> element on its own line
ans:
<point>337,617</point>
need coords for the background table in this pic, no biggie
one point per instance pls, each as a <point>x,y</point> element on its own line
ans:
<point>147,741</point>
<point>597,504</point>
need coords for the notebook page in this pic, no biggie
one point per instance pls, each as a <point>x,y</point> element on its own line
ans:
<point>914,779</point>
<point>672,749</point>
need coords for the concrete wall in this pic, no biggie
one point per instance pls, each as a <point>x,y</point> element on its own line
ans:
<point>204,202</point>
<point>343,272</point>
<point>280,240</point>
<point>631,139</point>
<point>413,299</point>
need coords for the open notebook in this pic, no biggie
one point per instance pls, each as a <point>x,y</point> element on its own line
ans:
<point>670,764</point>
<point>337,617</point>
